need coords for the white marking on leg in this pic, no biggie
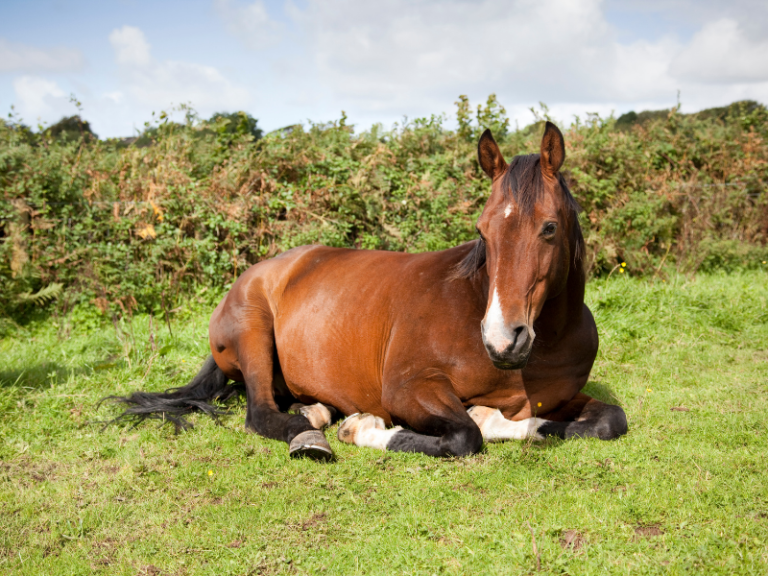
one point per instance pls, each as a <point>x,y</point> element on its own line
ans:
<point>495,428</point>
<point>317,414</point>
<point>366,430</point>
<point>493,327</point>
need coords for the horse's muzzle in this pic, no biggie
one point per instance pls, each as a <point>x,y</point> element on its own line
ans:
<point>518,340</point>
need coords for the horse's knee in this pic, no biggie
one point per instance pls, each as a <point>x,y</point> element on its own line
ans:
<point>463,441</point>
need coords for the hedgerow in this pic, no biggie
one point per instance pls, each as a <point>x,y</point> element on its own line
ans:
<point>189,206</point>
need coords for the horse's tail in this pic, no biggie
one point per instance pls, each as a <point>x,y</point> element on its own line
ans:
<point>210,385</point>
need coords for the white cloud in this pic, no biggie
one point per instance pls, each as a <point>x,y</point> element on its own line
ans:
<point>28,59</point>
<point>641,71</point>
<point>380,61</point>
<point>251,24</point>
<point>158,84</point>
<point>721,53</point>
<point>131,47</point>
<point>392,52</point>
<point>38,98</point>
<point>398,56</point>
<point>116,96</point>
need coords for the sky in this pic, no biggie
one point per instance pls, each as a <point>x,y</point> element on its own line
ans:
<point>293,61</point>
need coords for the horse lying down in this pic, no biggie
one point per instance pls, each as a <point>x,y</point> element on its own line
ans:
<point>430,353</point>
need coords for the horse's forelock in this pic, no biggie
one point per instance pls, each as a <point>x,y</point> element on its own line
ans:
<point>524,183</point>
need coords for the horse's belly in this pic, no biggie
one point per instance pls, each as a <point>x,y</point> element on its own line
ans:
<point>323,362</point>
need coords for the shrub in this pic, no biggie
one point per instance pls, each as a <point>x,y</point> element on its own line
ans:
<point>124,225</point>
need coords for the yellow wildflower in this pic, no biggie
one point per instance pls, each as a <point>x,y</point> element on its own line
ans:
<point>623,264</point>
<point>157,211</point>
<point>210,472</point>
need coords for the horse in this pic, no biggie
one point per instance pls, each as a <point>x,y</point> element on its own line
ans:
<point>434,352</point>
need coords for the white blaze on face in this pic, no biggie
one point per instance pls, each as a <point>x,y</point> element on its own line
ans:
<point>493,327</point>
<point>508,210</point>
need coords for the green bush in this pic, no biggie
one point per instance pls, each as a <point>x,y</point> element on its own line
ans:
<point>126,226</point>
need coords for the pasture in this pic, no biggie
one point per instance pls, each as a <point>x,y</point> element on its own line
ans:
<point>684,492</point>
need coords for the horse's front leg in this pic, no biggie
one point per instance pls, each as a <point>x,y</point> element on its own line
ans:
<point>440,424</point>
<point>582,417</point>
<point>585,417</point>
<point>496,428</point>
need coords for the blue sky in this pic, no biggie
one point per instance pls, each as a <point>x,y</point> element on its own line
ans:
<point>293,61</point>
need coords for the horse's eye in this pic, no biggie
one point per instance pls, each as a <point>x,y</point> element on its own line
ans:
<point>549,229</point>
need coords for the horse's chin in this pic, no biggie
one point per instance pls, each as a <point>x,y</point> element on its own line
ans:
<point>510,366</point>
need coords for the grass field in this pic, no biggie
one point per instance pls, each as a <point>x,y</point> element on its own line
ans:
<point>686,491</point>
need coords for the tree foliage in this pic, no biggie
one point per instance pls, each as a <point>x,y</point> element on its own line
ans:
<point>71,128</point>
<point>124,225</point>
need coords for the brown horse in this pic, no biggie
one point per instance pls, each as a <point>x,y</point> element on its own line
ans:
<point>488,340</point>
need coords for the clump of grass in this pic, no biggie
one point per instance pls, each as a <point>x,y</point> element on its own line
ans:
<point>683,492</point>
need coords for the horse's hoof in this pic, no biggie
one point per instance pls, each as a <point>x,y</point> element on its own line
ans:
<point>357,423</point>
<point>311,444</point>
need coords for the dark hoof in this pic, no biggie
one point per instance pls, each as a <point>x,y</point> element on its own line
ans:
<point>311,444</point>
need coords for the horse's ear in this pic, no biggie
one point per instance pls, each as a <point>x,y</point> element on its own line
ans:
<point>552,150</point>
<point>489,155</point>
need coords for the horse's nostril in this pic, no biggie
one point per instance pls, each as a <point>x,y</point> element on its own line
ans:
<point>522,338</point>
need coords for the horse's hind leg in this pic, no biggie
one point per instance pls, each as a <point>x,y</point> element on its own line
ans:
<point>257,359</point>
<point>319,415</point>
<point>585,417</point>
<point>429,406</point>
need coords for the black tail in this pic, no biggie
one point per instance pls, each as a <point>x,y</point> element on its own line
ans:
<point>210,385</point>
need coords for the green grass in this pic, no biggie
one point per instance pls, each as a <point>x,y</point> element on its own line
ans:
<point>684,492</point>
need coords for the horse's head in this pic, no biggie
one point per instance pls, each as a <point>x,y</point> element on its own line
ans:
<point>529,237</point>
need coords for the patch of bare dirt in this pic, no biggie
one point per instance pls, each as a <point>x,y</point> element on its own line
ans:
<point>125,439</point>
<point>648,531</point>
<point>25,471</point>
<point>314,521</point>
<point>572,539</point>
<point>469,487</point>
<point>449,541</point>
